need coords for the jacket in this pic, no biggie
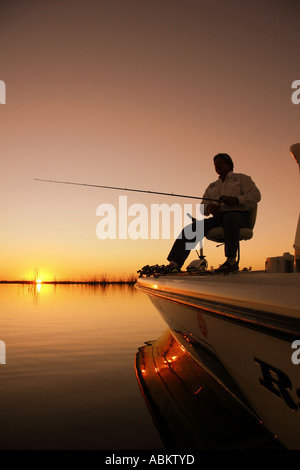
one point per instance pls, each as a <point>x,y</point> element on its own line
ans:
<point>235,185</point>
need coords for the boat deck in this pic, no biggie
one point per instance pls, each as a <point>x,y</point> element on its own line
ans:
<point>276,293</point>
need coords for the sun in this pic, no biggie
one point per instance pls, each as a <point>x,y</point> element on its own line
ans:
<point>38,276</point>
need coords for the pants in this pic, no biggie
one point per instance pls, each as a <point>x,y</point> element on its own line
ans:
<point>231,222</point>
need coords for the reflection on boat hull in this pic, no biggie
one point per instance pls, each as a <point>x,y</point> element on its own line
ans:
<point>240,329</point>
<point>189,407</point>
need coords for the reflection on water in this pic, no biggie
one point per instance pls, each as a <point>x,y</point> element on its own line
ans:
<point>191,410</point>
<point>69,380</point>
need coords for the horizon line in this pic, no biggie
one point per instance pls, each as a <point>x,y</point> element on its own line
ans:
<point>95,282</point>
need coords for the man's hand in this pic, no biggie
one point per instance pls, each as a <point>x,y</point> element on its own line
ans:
<point>212,209</point>
<point>229,200</point>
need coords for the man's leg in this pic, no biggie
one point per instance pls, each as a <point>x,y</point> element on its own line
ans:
<point>179,251</point>
<point>232,222</point>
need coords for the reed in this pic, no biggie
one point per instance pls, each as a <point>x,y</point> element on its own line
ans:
<point>102,279</point>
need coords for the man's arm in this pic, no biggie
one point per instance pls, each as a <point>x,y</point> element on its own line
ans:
<point>250,193</point>
<point>210,208</point>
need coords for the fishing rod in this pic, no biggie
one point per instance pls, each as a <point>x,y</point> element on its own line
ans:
<point>126,189</point>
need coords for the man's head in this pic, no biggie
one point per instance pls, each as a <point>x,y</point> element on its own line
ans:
<point>223,163</point>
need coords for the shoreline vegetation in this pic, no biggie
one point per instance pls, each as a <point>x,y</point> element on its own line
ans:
<point>101,281</point>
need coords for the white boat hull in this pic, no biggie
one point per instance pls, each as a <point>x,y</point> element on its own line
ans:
<point>241,328</point>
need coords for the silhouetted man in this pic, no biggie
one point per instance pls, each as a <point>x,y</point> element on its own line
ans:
<point>237,193</point>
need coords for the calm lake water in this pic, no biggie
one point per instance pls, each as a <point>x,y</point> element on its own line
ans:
<point>69,380</point>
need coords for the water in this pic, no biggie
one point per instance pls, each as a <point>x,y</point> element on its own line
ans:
<point>69,380</point>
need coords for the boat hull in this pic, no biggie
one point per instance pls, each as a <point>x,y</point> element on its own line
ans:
<point>242,334</point>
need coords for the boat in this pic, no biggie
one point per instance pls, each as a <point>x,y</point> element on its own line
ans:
<point>243,329</point>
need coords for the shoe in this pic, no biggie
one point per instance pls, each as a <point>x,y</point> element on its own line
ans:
<point>172,265</point>
<point>228,267</point>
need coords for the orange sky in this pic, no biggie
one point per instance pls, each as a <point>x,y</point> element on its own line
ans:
<point>141,94</point>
